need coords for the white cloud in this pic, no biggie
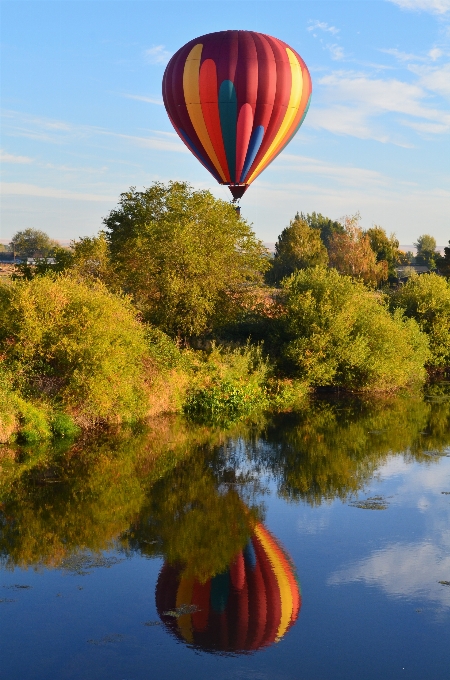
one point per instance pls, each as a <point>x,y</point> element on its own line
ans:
<point>348,175</point>
<point>22,189</point>
<point>336,51</point>
<point>149,100</point>
<point>405,570</point>
<point>402,56</point>
<point>11,158</point>
<point>355,99</point>
<point>59,132</point>
<point>435,53</point>
<point>433,6</point>
<point>322,26</point>
<point>434,78</point>
<point>168,141</point>
<point>157,55</point>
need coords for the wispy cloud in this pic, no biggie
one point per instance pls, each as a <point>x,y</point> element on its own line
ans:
<point>433,6</point>
<point>163,141</point>
<point>59,132</point>
<point>22,189</point>
<point>336,51</point>
<point>157,55</point>
<point>436,79</point>
<point>432,55</point>
<point>322,26</point>
<point>348,175</point>
<point>355,100</point>
<point>148,100</point>
<point>11,158</point>
<point>407,570</point>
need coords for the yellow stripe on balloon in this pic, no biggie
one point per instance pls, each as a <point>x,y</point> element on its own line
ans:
<point>191,89</point>
<point>184,597</point>
<point>282,580</point>
<point>289,117</point>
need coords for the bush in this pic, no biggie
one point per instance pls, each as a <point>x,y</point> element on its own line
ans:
<point>426,299</point>
<point>228,384</point>
<point>75,344</point>
<point>340,333</point>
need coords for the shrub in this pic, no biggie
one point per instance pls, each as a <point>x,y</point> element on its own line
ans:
<point>338,332</point>
<point>76,344</point>
<point>426,299</point>
<point>228,384</point>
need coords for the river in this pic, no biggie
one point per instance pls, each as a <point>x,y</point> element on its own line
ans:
<point>313,545</point>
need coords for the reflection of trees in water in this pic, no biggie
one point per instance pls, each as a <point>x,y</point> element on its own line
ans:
<point>192,494</point>
<point>332,449</point>
<point>86,497</point>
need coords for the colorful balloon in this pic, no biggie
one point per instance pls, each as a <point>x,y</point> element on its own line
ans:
<point>250,605</point>
<point>236,99</point>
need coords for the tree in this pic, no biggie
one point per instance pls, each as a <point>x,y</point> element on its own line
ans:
<point>350,253</point>
<point>187,258</point>
<point>426,251</point>
<point>385,247</point>
<point>324,225</point>
<point>405,258</point>
<point>338,332</point>
<point>426,299</point>
<point>298,247</point>
<point>32,243</point>
<point>443,263</point>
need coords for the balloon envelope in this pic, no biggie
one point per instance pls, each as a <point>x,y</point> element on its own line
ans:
<point>236,98</point>
<point>250,605</point>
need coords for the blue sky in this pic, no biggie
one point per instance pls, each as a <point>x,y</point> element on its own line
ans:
<point>83,120</point>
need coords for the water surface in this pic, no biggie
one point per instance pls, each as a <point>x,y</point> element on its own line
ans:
<point>312,545</point>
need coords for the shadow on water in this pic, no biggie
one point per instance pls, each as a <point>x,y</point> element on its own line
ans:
<point>195,497</point>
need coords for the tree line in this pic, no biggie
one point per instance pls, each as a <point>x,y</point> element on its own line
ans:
<point>176,305</point>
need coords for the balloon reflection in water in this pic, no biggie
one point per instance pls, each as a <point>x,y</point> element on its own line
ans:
<point>250,605</point>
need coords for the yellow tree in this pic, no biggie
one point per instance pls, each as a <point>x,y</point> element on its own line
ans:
<point>351,254</point>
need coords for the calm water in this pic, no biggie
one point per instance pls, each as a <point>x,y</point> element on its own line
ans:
<point>311,546</point>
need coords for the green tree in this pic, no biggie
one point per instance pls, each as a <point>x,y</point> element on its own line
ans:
<point>426,251</point>
<point>351,254</point>
<point>443,263</point>
<point>338,332</point>
<point>426,299</point>
<point>32,243</point>
<point>385,247</point>
<point>188,259</point>
<point>324,225</point>
<point>298,247</point>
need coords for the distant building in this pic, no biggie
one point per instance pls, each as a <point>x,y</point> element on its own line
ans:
<point>404,272</point>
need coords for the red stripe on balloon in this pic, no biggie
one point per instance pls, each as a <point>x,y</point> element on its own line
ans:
<point>244,131</point>
<point>267,81</point>
<point>282,96</point>
<point>227,57</point>
<point>258,607</point>
<point>237,572</point>
<point>200,598</point>
<point>210,108</point>
<point>242,618</point>
<point>246,79</point>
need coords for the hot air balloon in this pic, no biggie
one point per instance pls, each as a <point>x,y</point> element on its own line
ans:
<point>249,606</point>
<point>236,99</point>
